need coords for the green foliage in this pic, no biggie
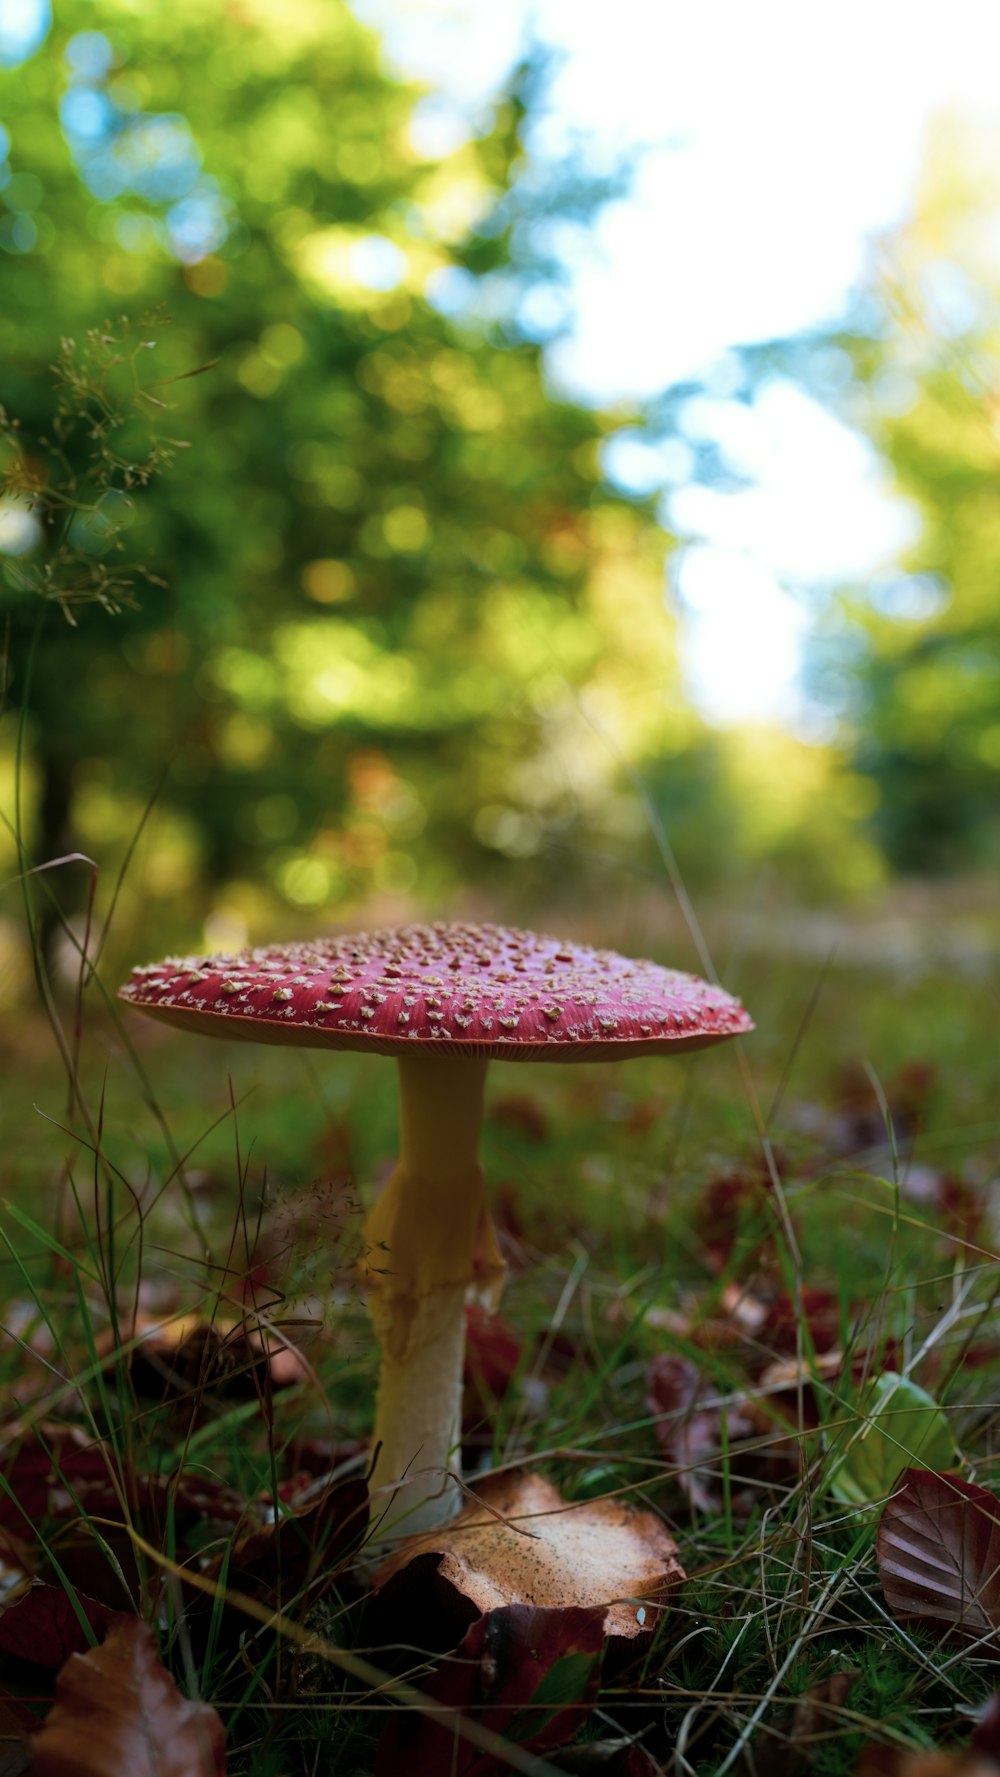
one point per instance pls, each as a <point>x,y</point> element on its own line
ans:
<point>893,1424</point>
<point>78,484</point>
<point>919,650</point>
<point>389,566</point>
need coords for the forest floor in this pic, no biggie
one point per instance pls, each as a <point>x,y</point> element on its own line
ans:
<point>748,1290</point>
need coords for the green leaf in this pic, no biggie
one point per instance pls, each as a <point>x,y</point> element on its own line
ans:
<point>892,1426</point>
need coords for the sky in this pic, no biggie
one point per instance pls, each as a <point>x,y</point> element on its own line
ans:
<point>772,145</point>
<point>775,143</point>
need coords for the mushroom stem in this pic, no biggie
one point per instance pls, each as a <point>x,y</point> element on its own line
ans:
<point>430,1242</point>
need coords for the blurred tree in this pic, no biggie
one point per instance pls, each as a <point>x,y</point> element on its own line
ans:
<point>917,652</point>
<point>391,564</point>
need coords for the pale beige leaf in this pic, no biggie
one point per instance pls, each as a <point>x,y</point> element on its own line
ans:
<point>519,1542</point>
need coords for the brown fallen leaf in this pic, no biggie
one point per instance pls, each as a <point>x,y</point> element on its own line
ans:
<point>787,1750</point>
<point>40,1459</point>
<point>986,1733</point>
<point>187,1357</point>
<point>118,1710</point>
<point>522,1113</point>
<point>688,1422</point>
<point>518,1542</point>
<point>493,1352</point>
<point>891,1761</point>
<point>939,1554</point>
<point>287,1565</point>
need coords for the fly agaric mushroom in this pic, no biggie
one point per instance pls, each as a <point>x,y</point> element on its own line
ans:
<point>445,1000</point>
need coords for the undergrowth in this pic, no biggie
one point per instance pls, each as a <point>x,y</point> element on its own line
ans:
<point>178,1275</point>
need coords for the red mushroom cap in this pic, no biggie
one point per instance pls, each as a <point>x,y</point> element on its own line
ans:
<point>480,990</point>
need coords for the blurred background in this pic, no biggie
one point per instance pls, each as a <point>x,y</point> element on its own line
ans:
<point>467,460</point>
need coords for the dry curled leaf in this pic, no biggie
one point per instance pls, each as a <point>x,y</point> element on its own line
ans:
<point>118,1711</point>
<point>517,1541</point>
<point>528,1675</point>
<point>939,1554</point>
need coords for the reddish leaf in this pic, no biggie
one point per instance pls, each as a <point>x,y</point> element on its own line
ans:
<point>529,1675</point>
<point>317,1457</point>
<point>492,1355</point>
<point>731,1202</point>
<point>964,1210</point>
<point>939,1553</point>
<point>689,1431</point>
<point>859,1122</point>
<point>37,1462</point>
<point>189,1498</point>
<point>118,1711</point>
<point>820,1311</point>
<point>520,1112</point>
<point>280,1562</point>
<point>891,1761</point>
<point>986,1733</point>
<point>43,1626</point>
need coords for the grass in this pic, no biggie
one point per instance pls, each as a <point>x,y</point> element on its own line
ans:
<point>226,1174</point>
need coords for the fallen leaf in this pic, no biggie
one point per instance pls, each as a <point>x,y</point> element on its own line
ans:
<point>315,1457</point>
<point>518,1542</point>
<point>44,1628</point>
<point>688,1412</point>
<point>892,1426</point>
<point>493,1353</point>
<point>939,1554</point>
<point>37,1461</point>
<point>522,1113</point>
<point>186,1358</point>
<point>859,1119</point>
<point>818,1309</point>
<point>118,1710</point>
<point>688,1426</point>
<point>527,1674</point>
<point>734,1207</point>
<point>301,1553</point>
<point>986,1733</point>
<point>891,1761</point>
<point>787,1750</point>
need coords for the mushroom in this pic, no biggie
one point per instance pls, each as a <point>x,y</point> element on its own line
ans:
<point>445,1000</point>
